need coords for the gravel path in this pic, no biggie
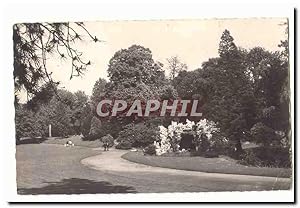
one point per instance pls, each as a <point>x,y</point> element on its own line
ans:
<point>112,162</point>
<point>55,169</point>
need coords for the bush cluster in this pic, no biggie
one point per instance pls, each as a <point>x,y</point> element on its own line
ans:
<point>266,157</point>
<point>150,150</point>
<point>125,145</point>
<point>108,139</point>
<point>137,135</point>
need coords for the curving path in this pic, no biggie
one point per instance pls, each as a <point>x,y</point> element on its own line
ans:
<point>157,178</point>
<point>55,169</point>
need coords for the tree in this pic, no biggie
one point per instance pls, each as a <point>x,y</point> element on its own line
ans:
<point>26,123</point>
<point>35,42</point>
<point>270,79</point>
<point>133,66</point>
<point>263,134</point>
<point>227,47</point>
<point>175,66</point>
<point>86,119</point>
<point>58,112</point>
<point>135,75</point>
<point>96,125</point>
<point>43,96</point>
<point>78,108</point>
<point>232,101</point>
<point>188,84</point>
<point>98,90</point>
<point>226,91</point>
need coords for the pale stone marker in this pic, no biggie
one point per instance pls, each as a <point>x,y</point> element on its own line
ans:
<point>50,135</point>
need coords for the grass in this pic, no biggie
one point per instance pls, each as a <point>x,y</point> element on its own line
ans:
<point>76,140</point>
<point>54,169</point>
<point>210,165</point>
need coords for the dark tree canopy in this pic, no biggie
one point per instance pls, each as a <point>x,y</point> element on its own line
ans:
<point>245,92</point>
<point>133,66</point>
<point>134,74</point>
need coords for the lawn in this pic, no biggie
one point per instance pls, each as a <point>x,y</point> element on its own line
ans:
<point>55,169</point>
<point>210,165</point>
<point>76,140</point>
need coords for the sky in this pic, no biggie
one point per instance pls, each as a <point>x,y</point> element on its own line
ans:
<point>193,41</point>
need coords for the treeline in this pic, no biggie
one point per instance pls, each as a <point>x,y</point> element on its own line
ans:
<point>65,111</point>
<point>246,92</point>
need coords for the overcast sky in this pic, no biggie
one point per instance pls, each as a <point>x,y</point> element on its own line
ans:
<point>193,41</point>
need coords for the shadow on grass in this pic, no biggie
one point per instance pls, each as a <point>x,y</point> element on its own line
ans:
<point>77,186</point>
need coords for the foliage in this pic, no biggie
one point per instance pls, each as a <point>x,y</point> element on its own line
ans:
<point>43,96</point>
<point>108,139</point>
<point>189,83</point>
<point>263,134</point>
<point>138,135</point>
<point>164,144</point>
<point>175,66</point>
<point>231,101</point>
<point>239,89</point>
<point>98,91</point>
<point>150,150</point>
<point>63,112</point>
<point>227,48</point>
<point>58,113</point>
<point>78,111</point>
<point>33,45</point>
<point>133,66</point>
<point>91,137</point>
<point>86,119</point>
<point>267,157</point>
<point>96,125</point>
<point>125,145</point>
<point>26,124</point>
<point>202,133</point>
<point>135,75</point>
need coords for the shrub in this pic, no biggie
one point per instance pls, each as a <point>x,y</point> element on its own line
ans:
<point>191,135</point>
<point>267,156</point>
<point>108,139</point>
<point>138,135</point>
<point>221,145</point>
<point>249,158</point>
<point>263,134</point>
<point>150,150</point>
<point>125,145</point>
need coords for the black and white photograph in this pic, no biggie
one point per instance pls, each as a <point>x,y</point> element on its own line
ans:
<point>152,106</point>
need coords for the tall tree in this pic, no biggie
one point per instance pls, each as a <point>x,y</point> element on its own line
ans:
<point>271,87</point>
<point>98,90</point>
<point>134,75</point>
<point>230,101</point>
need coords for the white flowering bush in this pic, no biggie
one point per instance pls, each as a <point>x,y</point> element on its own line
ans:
<point>164,145</point>
<point>170,137</point>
